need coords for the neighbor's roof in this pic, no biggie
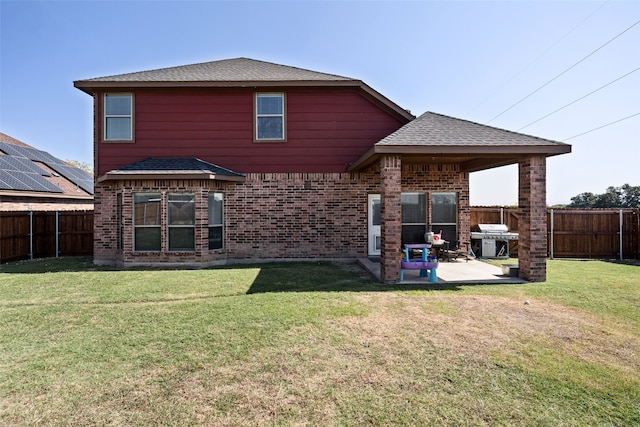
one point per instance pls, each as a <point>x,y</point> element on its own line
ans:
<point>449,138</point>
<point>172,168</point>
<point>238,72</point>
<point>27,171</point>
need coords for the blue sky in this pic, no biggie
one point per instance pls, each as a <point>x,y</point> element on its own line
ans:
<point>471,59</point>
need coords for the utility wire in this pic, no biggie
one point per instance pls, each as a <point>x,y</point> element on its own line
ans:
<point>579,99</point>
<point>603,126</point>
<point>539,56</point>
<point>565,71</point>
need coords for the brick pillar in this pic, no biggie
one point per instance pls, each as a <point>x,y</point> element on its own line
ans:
<point>532,224</point>
<point>391,218</point>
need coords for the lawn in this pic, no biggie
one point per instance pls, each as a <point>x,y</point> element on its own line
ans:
<point>315,344</point>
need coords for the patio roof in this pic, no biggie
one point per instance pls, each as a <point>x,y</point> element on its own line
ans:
<point>436,138</point>
<point>172,168</point>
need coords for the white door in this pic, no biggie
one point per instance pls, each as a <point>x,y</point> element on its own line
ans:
<point>374,224</point>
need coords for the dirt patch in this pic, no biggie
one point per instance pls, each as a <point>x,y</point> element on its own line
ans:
<point>485,325</point>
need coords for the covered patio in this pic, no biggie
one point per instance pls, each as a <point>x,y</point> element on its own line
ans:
<point>434,142</point>
<point>451,272</point>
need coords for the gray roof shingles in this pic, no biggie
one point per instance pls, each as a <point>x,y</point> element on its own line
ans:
<point>177,164</point>
<point>227,70</point>
<point>432,129</point>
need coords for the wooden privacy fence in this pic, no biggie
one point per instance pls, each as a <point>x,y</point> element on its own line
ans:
<point>576,233</point>
<point>572,233</point>
<point>28,235</point>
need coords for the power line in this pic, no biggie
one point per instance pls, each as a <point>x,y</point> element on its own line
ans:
<point>565,71</point>
<point>603,126</point>
<point>579,99</point>
<point>540,56</point>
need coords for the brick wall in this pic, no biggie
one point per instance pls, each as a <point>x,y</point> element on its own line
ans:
<point>532,225</point>
<point>391,218</point>
<point>269,216</point>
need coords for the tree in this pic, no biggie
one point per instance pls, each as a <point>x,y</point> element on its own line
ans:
<point>612,198</point>
<point>631,196</point>
<point>583,200</point>
<point>627,196</point>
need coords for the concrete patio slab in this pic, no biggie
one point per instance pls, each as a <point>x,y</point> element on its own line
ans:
<point>458,271</point>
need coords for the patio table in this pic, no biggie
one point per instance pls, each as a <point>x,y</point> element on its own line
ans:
<point>422,264</point>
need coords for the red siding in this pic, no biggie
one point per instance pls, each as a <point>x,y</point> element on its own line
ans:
<point>326,130</point>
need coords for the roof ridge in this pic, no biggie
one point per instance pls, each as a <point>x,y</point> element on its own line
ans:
<point>221,62</point>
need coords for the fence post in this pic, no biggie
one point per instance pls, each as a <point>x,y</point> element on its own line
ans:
<point>57,232</point>
<point>551,236</point>
<point>30,235</point>
<point>621,221</point>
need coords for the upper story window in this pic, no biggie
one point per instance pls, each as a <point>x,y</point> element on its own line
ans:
<point>118,117</point>
<point>270,122</point>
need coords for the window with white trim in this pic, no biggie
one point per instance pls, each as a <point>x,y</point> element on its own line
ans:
<point>270,121</point>
<point>216,220</point>
<point>146,222</point>
<point>181,222</point>
<point>118,117</point>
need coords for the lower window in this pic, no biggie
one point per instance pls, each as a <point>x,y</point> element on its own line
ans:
<point>216,220</point>
<point>444,216</point>
<point>181,222</point>
<point>146,220</point>
<point>414,217</point>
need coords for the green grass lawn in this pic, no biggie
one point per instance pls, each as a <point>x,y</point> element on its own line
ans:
<point>315,344</point>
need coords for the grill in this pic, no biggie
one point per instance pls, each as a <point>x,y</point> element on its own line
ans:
<point>492,240</point>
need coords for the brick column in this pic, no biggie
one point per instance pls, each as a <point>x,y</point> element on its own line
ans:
<point>391,218</point>
<point>532,224</point>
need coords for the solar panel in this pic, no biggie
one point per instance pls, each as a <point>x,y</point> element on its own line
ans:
<point>38,183</point>
<point>21,164</point>
<point>13,182</point>
<point>20,173</point>
<point>10,149</point>
<point>79,177</point>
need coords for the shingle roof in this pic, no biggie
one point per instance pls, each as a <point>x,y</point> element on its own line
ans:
<point>437,138</point>
<point>432,129</point>
<point>27,169</point>
<point>235,73</point>
<point>174,167</point>
<point>227,70</point>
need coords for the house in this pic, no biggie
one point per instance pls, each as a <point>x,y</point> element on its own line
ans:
<point>34,180</point>
<point>247,160</point>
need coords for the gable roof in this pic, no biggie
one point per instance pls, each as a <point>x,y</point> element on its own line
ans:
<point>25,170</point>
<point>234,73</point>
<point>172,168</point>
<point>448,139</point>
